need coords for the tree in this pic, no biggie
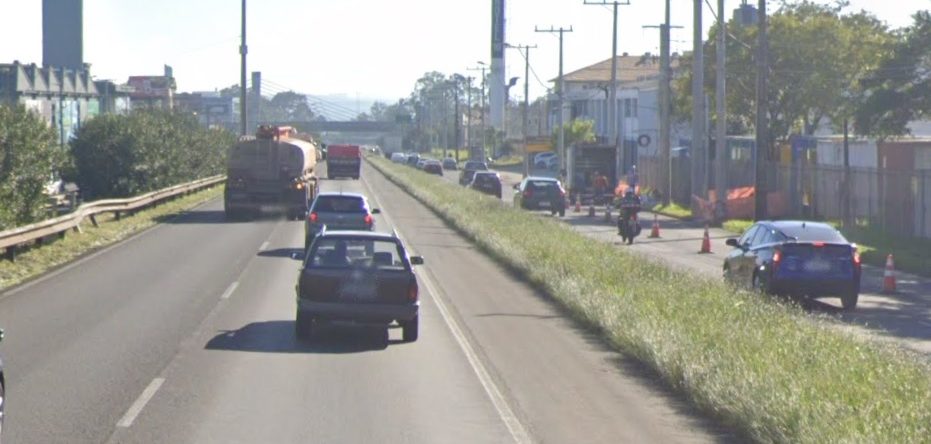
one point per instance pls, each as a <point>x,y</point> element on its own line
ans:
<point>29,157</point>
<point>576,131</point>
<point>899,91</point>
<point>122,156</point>
<point>817,54</point>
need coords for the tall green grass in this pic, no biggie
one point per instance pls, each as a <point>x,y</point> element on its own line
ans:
<point>769,370</point>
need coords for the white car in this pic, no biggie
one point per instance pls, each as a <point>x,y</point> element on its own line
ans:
<point>398,158</point>
<point>543,160</point>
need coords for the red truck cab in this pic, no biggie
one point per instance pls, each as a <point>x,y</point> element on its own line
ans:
<point>344,161</point>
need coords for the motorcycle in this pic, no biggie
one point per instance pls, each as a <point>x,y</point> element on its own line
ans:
<point>628,225</point>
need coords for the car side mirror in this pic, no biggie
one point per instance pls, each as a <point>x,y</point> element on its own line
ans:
<point>376,211</point>
<point>516,186</point>
<point>416,260</point>
<point>732,242</point>
<point>297,255</point>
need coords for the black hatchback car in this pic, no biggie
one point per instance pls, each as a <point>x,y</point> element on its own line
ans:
<point>357,277</point>
<point>797,258</point>
<point>469,169</point>
<point>541,193</point>
<point>488,182</point>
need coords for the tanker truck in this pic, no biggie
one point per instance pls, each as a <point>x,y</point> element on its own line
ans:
<point>272,171</point>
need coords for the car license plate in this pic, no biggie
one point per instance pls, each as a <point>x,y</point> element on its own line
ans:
<point>817,265</point>
<point>364,291</point>
<point>544,204</point>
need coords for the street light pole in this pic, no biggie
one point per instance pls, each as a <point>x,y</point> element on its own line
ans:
<point>560,92</point>
<point>244,126</point>
<point>612,105</point>
<point>762,122</point>
<point>721,154</point>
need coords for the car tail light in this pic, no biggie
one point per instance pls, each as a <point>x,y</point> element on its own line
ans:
<point>368,219</point>
<point>312,218</point>
<point>818,244</point>
<point>856,258</point>
<point>412,292</point>
<point>777,259</point>
<point>528,194</point>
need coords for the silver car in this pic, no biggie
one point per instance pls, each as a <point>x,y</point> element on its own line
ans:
<point>338,211</point>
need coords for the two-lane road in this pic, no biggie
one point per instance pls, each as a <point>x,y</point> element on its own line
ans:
<point>185,334</point>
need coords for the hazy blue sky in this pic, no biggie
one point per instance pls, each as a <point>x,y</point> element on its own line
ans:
<point>370,48</point>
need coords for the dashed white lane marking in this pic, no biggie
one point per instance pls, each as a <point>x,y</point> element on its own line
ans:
<point>517,430</point>
<point>229,290</point>
<point>264,246</point>
<point>140,403</point>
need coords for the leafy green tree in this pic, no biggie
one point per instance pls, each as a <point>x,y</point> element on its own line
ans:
<point>576,131</point>
<point>817,54</point>
<point>899,91</point>
<point>29,158</point>
<point>122,156</point>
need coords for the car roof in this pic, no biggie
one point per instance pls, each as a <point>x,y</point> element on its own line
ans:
<point>339,193</point>
<point>541,178</point>
<point>788,224</point>
<point>486,173</point>
<point>358,234</point>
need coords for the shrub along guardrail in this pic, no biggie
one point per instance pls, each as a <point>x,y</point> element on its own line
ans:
<point>11,239</point>
<point>771,371</point>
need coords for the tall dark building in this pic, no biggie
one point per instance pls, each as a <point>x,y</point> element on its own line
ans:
<point>63,34</point>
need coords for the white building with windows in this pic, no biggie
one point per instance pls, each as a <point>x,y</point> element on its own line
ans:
<point>586,97</point>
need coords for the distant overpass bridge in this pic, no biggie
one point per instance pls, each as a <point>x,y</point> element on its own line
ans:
<point>345,127</point>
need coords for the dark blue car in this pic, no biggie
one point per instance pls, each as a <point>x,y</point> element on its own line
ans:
<point>798,258</point>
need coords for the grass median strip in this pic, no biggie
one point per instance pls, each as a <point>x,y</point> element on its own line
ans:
<point>769,370</point>
<point>36,261</point>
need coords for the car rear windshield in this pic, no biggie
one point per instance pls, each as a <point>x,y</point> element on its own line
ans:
<point>475,165</point>
<point>541,184</point>
<point>814,233</point>
<point>344,252</point>
<point>486,178</point>
<point>339,204</point>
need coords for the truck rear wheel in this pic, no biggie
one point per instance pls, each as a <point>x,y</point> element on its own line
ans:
<point>410,329</point>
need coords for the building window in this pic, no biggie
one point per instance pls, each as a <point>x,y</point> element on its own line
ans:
<point>634,106</point>
<point>626,107</point>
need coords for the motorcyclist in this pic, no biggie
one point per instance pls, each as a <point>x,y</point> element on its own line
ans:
<point>630,205</point>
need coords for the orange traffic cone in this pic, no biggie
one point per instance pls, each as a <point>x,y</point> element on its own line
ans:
<point>654,233</point>
<point>889,276</point>
<point>578,204</point>
<point>705,243</point>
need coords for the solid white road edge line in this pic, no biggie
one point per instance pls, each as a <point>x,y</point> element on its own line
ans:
<point>229,290</point>
<point>517,430</point>
<point>140,403</point>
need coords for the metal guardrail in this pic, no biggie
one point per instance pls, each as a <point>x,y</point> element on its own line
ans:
<point>12,238</point>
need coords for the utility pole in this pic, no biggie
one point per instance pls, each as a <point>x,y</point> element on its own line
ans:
<point>665,107</point>
<point>458,121</point>
<point>525,116</point>
<point>762,120</point>
<point>468,131</point>
<point>720,101</point>
<point>699,139</point>
<point>561,137</point>
<point>243,118</point>
<point>482,114</point>
<point>612,96</point>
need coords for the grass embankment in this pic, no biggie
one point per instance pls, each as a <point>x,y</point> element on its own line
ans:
<point>911,254</point>
<point>672,210</point>
<point>37,260</point>
<point>770,371</point>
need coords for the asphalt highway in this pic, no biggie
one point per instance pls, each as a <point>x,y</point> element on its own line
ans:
<point>184,334</point>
